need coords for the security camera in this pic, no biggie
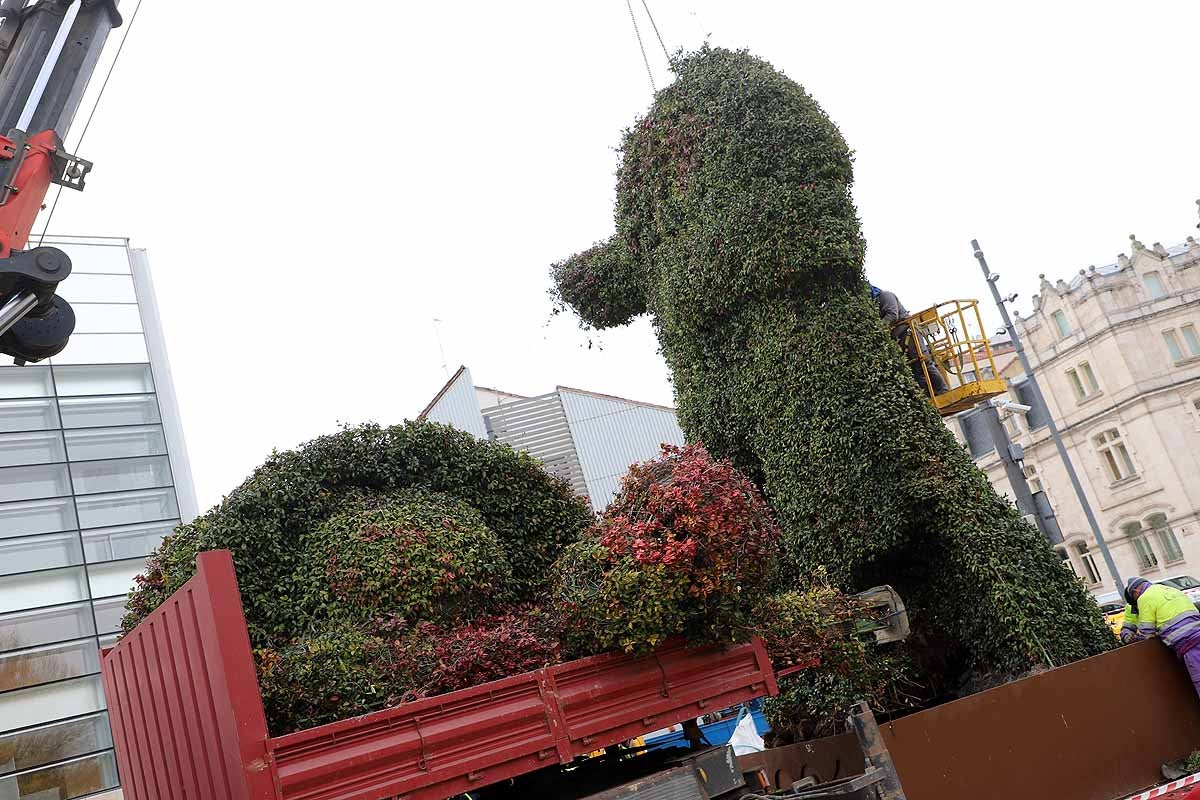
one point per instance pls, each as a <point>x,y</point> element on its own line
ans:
<point>1009,405</point>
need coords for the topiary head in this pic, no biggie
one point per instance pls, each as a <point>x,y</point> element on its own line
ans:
<point>735,186</point>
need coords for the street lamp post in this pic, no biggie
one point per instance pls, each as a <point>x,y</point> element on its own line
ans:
<point>1050,424</point>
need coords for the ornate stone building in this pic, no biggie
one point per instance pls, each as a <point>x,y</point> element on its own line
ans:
<point>1117,353</point>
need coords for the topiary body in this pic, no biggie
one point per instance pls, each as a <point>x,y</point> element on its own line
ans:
<point>736,231</point>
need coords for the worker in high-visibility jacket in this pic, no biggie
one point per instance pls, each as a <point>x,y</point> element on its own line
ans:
<point>1157,610</point>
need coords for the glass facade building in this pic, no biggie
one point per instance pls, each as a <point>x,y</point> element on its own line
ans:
<point>93,473</point>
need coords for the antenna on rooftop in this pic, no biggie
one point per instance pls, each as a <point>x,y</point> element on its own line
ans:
<point>437,334</point>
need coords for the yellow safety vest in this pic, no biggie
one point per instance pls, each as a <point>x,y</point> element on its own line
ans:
<point>1164,612</point>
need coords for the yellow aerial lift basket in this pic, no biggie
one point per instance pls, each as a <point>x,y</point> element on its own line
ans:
<point>950,338</point>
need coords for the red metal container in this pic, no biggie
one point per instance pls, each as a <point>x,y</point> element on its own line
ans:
<point>188,721</point>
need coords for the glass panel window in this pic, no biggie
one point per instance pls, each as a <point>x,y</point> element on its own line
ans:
<point>32,628</point>
<point>114,577</point>
<point>51,663</point>
<point>100,318</point>
<point>1166,538</point>
<point>1114,455</point>
<point>37,516</point>
<point>1089,378</point>
<point>36,589</point>
<point>1066,561</point>
<point>103,379</point>
<point>109,613</point>
<point>28,415</point>
<point>25,382</point>
<point>1154,285</point>
<point>48,744</point>
<point>1033,478</point>
<point>90,444</point>
<point>27,707</point>
<point>1076,384</point>
<point>1012,424</point>
<point>1173,348</point>
<point>1191,339</point>
<point>32,483</point>
<point>103,348</point>
<point>96,412</point>
<point>1091,573</point>
<point>107,510</point>
<point>1060,322</point>
<point>1141,546</point>
<point>31,447</point>
<point>40,552</point>
<point>128,541</point>
<point>85,288</point>
<point>1145,553</point>
<point>89,258</point>
<point>65,781</point>
<point>92,477</point>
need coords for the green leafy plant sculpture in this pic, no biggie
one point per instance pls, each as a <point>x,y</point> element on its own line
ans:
<point>736,232</point>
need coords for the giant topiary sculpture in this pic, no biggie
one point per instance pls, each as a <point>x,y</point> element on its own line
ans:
<point>737,233</point>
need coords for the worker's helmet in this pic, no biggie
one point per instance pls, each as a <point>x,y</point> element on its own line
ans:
<point>1131,588</point>
<point>875,291</point>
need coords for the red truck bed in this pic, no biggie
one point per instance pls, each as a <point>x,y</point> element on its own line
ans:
<point>188,721</point>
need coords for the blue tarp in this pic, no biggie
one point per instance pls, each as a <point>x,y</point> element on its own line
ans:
<point>715,733</point>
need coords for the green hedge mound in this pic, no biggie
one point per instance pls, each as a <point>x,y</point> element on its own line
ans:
<point>270,522</point>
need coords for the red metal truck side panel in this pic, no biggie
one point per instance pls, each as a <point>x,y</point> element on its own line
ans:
<point>441,746</point>
<point>188,720</point>
<point>445,745</point>
<point>609,699</point>
<point>183,697</point>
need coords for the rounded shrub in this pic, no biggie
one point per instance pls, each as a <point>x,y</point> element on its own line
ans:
<point>338,671</point>
<point>269,521</point>
<point>418,554</point>
<point>687,546</point>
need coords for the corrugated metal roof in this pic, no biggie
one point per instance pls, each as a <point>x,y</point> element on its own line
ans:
<point>611,433</point>
<point>456,405</point>
<point>538,426</point>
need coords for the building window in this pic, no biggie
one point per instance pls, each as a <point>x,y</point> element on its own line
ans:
<point>1147,560</point>
<point>1191,339</point>
<point>1012,424</point>
<point>1091,572</point>
<point>1167,542</point>
<point>1033,479</point>
<point>1176,345</point>
<point>1154,285</point>
<point>1060,321</point>
<point>1083,381</point>
<point>1115,455</point>
<point>1173,346</point>
<point>1067,562</point>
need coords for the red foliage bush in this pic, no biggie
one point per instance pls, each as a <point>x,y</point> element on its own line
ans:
<point>518,641</point>
<point>685,547</point>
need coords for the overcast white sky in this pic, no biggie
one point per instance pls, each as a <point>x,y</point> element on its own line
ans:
<point>316,182</point>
